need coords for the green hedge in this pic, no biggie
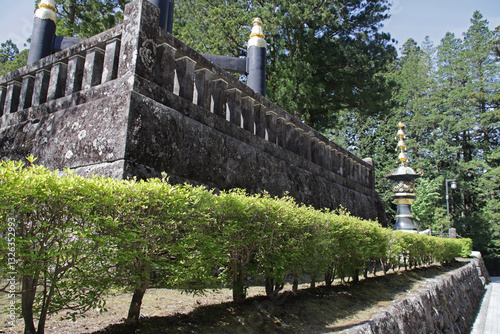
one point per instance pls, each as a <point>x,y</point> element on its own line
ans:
<point>77,237</point>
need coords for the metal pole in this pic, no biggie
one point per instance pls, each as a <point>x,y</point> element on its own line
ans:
<point>447,201</point>
<point>453,186</point>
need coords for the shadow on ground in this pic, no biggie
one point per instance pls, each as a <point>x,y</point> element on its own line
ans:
<point>319,310</point>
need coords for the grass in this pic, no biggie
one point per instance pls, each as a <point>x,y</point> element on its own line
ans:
<point>318,310</point>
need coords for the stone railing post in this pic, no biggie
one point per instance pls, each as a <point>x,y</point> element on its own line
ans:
<point>370,179</point>
<point>3,92</point>
<point>248,114</point>
<point>42,79</point>
<point>288,136</point>
<point>184,68</point>
<point>57,81</point>
<point>164,67</point>
<point>321,152</point>
<point>203,79</point>
<point>138,42</point>
<point>348,168</point>
<point>74,79</point>
<point>26,94</point>
<point>299,142</point>
<point>327,158</point>
<point>340,164</point>
<point>298,137</point>
<point>219,97</point>
<point>260,121</point>
<point>280,131</point>
<point>110,65</point>
<point>92,72</point>
<point>271,126</point>
<point>234,106</point>
<point>333,160</point>
<point>12,97</point>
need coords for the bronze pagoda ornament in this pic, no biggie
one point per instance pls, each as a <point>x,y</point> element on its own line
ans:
<point>404,186</point>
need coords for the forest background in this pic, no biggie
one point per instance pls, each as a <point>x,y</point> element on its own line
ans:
<point>330,63</point>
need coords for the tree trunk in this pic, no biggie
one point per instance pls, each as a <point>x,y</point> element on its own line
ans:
<point>134,310</point>
<point>295,285</point>
<point>385,267</point>
<point>355,276</point>
<point>239,294</point>
<point>329,276</point>
<point>272,287</point>
<point>45,307</point>
<point>365,271</point>
<point>27,300</point>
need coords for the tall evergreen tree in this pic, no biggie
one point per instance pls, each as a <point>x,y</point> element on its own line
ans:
<point>324,56</point>
<point>86,18</point>
<point>10,57</point>
<point>487,234</point>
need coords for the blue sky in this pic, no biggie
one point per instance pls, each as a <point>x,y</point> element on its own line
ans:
<point>410,18</point>
<point>434,18</point>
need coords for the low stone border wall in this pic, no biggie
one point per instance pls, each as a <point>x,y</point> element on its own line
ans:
<point>446,304</point>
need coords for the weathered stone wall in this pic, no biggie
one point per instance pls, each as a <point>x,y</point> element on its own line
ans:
<point>447,304</point>
<point>136,102</point>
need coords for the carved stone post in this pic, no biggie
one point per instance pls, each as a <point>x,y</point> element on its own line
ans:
<point>203,79</point>
<point>110,66</point>
<point>138,42</point>
<point>184,67</point>
<point>219,97</point>
<point>248,114</point>
<point>3,92</point>
<point>75,74</point>
<point>26,92</point>
<point>234,106</point>
<point>41,87</point>
<point>12,97</point>
<point>260,120</point>
<point>57,81</point>
<point>271,125</point>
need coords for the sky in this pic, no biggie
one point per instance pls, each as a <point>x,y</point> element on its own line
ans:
<point>409,18</point>
<point>434,18</point>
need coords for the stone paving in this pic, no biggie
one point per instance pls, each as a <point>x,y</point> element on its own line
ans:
<point>488,319</point>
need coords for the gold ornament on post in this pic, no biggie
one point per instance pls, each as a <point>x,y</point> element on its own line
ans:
<point>257,37</point>
<point>401,144</point>
<point>47,10</point>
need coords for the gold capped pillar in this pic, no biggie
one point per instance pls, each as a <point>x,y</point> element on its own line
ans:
<point>256,58</point>
<point>44,31</point>
<point>404,186</point>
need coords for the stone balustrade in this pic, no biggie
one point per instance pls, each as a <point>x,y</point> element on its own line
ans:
<point>189,75</point>
<point>176,68</point>
<point>81,67</point>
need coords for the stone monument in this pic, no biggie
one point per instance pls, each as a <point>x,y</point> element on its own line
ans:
<point>404,186</point>
<point>134,101</point>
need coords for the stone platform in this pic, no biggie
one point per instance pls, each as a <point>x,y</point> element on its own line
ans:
<point>134,101</point>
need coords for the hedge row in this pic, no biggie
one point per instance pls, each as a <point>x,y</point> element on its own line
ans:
<point>73,238</point>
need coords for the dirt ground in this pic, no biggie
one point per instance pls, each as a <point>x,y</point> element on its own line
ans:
<point>319,310</point>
